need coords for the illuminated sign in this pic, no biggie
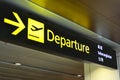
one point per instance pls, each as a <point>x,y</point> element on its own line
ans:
<point>35,30</point>
<point>19,24</point>
<point>36,33</point>
<point>103,55</point>
<point>63,42</point>
<point>25,28</point>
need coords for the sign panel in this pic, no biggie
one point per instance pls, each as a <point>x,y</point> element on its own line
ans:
<point>25,28</point>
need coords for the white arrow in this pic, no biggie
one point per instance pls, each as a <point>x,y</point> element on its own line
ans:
<point>18,24</point>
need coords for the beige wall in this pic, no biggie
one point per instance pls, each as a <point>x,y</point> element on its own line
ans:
<point>118,61</point>
<point>98,72</point>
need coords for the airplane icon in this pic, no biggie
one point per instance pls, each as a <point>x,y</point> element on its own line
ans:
<point>35,28</point>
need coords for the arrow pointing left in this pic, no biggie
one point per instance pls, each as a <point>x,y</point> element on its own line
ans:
<point>18,24</point>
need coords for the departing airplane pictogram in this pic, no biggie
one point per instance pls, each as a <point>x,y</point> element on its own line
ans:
<point>35,28</point>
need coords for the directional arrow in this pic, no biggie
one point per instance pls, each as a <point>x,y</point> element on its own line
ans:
<point>18,24</point>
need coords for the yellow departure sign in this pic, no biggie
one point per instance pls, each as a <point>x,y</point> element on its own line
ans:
<point>35,30</point>
<point>23,27</point>
<point>65,42</point>
<point>18,24</point>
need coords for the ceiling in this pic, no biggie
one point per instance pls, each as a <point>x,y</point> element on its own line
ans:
<point>109,16</point>
<point>99,16</point>
<point>36,65</point>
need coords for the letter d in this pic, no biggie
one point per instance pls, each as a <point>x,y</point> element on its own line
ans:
<point>50,35</point>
